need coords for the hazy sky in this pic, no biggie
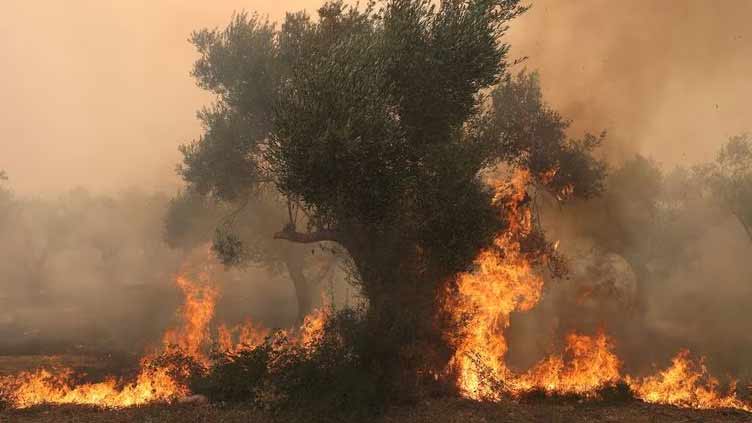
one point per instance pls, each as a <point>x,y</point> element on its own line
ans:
<point>98,93</point>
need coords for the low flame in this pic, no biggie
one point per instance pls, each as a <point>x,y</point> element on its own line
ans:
<point>33,388</point>
<point>587,364</point>
<point>504,281</point>
<point>157,380</point>
<point>686,383</point>
<point>244,336</point>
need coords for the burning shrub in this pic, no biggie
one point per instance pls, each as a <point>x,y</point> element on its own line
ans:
<point>332,375</point>
<point>180,367</point>
<point>617,393</point>
<point>236,377</point>
<point>324,375</point>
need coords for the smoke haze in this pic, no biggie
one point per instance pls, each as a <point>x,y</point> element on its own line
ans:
<point>98,94</point>
<point>666,79</point>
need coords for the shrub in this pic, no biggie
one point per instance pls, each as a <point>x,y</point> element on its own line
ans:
<point>616,393</point>
<point>236,377</point>
<point>325,377</point>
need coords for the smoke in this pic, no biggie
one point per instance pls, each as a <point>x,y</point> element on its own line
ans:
<point>653,264</point>
<point>98,94</point>
<point>668,80</point>
<point>90,273</point>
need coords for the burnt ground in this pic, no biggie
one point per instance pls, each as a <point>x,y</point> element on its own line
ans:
<point>448,410</point>
<point>444,411</point>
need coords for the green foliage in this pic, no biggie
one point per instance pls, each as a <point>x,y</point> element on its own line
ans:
<point>329,375</point>
<point>240,66</point>
<point>229,248</point>
<point>523,130</point>
<point>371,122</point>
<point>729,179</point>
<point>378,100</point>
<point>237,378</point>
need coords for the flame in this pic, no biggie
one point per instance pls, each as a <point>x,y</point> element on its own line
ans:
<point>153,383</point>
<point>504,281</point>
<point>156,381</point>
<point>686,383</point>
<point>248,334</point>
<point>196,313</point>
<point>589,365</point>
<point>33,388</point>
<point>312,328</point>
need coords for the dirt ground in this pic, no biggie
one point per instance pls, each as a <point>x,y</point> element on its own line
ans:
<point>444,411</point>
<point>449,410</point>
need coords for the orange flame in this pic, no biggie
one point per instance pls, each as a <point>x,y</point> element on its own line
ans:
<point>590,365</point>
<point>196,313</point>
<point>33,388</point>
<point>155,382</point>
<point>248,334</point>
<point>312,328</point>
<point>686,384</point>
<point>505,280</point>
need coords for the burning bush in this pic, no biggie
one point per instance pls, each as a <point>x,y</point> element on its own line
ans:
<point>236,377</point>
<point>323,374</point>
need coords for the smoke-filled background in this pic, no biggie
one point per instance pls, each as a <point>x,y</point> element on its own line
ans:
<point>97,96</point>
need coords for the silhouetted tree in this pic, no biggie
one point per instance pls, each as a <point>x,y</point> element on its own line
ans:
<point>729,179</point>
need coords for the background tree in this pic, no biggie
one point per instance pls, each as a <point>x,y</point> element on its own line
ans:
<point>244,236</point>
<point>371,125</point>
<point>729,179</point>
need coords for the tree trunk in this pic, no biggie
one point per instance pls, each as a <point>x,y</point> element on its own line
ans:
<point>303,289</point>
<point>404,343</point>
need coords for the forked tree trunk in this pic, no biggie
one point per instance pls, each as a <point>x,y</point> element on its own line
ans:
<point>303,288</point>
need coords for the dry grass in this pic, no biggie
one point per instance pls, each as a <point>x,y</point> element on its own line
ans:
<point>437,411</point>
<point>446,410</point>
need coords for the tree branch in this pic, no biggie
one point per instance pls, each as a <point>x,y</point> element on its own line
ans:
<point>307,238</point>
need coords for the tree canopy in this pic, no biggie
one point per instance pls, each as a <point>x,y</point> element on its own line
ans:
<point>375,127</point>
<point>729,179</point>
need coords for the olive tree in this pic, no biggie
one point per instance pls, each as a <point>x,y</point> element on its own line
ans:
<point>373,126</point>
